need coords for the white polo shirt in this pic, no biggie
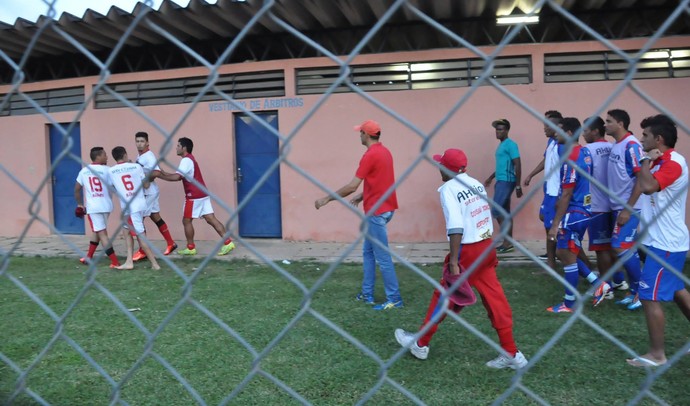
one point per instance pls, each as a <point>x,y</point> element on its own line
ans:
<point>466,209</point>
<point>95,182</point>
<point>664,211</point>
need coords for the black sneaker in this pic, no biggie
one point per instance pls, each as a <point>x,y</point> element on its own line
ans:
<point>543,257</point>
<point>503,250</point>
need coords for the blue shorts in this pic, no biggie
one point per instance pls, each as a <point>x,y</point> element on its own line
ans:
<point>624,237</point>
<point>571,230</point>
<point>547,210</point>
<point>503,191</point>
<point>600,228</point>
<point>657,283</point>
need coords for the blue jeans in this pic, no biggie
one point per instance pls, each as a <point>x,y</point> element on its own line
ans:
<point>503,191</point>
<point>373,253</point>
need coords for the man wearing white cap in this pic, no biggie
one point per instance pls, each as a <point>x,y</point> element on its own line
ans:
<point>380,202</point>
<point>469,228</point>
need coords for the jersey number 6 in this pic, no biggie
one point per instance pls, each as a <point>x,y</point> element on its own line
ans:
<point>127,182</point>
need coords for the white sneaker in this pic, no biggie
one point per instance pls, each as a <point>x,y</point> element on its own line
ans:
<point>616,286</point>
<point>503,361</point>
<point>620,286</point>
<point>405,339</point>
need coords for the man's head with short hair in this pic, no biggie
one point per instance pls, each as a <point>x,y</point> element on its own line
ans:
<point>593,129</point>
<point>96,153</point>
<point>661,128</point>
<point>141,139</point>
<point>553,114</point>
<point>548,130</point>
<point>119,153</point>
<point>186,144</point>
<point>620,116</point>
<point>569,125</point>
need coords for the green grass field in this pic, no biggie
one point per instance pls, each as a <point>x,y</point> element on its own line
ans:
<point>257,303</point>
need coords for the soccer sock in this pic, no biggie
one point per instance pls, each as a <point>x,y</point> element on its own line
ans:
<point>191,246</point>
<point>92,249</point>
<point>583,269</point>
<point>592,278</point>
<point>633,268</point>
<point>228,241</point>
<point>586,273</point>
<point>572,277</point>
<point>163,228</point>
<point>110,252</point>
<point>618,277</point>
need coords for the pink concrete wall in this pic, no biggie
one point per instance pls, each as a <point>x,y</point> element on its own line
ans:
<point>327,147</point>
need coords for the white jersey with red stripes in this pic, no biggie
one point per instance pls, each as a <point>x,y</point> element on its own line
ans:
<point>95,181</point>
<point>664,211</point>
<point>149,162</point>
<point>127,179</point>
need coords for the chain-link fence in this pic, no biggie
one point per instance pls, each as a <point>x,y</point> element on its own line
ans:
<point>268,12</point>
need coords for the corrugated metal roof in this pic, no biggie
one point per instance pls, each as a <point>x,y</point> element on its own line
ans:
<point>336,25</point>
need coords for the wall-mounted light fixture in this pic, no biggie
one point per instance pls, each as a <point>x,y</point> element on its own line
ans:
<point>517,19</point>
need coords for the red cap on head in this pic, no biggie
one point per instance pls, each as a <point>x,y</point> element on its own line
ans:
<point>453,159</point>
<point>370,127</point>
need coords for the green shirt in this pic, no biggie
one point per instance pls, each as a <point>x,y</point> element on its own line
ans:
<point>505,153</point>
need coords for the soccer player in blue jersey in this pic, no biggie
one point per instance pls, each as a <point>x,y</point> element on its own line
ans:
<point>624,167</point>
<point>572,216</point>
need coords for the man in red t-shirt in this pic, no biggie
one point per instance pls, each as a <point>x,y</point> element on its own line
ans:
<point>376,170</point>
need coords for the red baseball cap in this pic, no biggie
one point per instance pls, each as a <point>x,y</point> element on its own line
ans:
<point>370,127</point>
<point>453,159</point>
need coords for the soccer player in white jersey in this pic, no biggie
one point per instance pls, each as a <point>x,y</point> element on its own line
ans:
<point>469,228</point>
<point>129,181</point>
<point>624,168</point>
<point>197,202</point>
<point>552,186</point>
<point>664,177</point>
<point>601,223</point>
<point>92,194</point>
<point>147,159</point>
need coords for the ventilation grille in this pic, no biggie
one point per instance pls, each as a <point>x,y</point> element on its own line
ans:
<point>177,91</point>
<point>594,66</point>
<point>415,75</point>
<point>55,100</point>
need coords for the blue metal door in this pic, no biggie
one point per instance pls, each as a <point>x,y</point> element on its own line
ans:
<point>63,178</point>
<point>256,149</point>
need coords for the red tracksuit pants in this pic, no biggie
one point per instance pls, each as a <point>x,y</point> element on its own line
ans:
<point>484,280</point>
